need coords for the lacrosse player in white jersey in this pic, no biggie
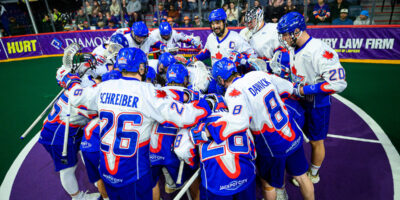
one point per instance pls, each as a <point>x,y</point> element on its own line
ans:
<point>171,37</point>
<point>223,42</point>
<point>317,73</point>
<point>138,37</point>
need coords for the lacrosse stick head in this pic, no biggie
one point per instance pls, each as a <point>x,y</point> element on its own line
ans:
<point>280,64</point>
<point>111,52</point>
<point>257,64</point>
<point>85,62</point>
<point>69,57</point>
<point>199,76</point>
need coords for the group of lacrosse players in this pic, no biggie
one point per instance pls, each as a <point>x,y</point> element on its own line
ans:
<point>174,124</point>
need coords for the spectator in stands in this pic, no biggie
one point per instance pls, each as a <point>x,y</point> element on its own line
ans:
<point>198,22</point>
<point>257,3</point>
<point>93,19</point>
<point>186,22</point>
<point>111,18</point>
<point>213,4</point>
<point>363,19</point>
<point>89,8</point>
<point>290,7</point>
<point>46,24</point>
<point>172,22</point>
<point>4,20</point>
<point>57,20</point>
<point>275,3</point>
<point>336,8</point>
<point>275,12</point>
<point>167,4</point>
<point>100,25</point>
<point>96,6</point>
<point>80,17</point>
<point>115,8</point>
<point>162,12</point>
<point>309,17</point>
<point>133,9</point>
<point>225,7</point>
<point>232,14</point>
<point>192,5</point>
<point>104,7</point>
<point>343,19</point>
<point>111,25</point>
<point>243,13</point>
<point>174,14</point>
<point>101,18</point>
<point>84,26</point>
<point>181,5</point>
<point>322,12</point>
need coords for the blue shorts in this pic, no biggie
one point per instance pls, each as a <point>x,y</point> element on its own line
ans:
<point>138,190</point>
<point>272,169</point>
<point>316,122</point>
<point>92,162</point>
<point>248,194</point>
<point>56,154</point>
<point>173,170</point>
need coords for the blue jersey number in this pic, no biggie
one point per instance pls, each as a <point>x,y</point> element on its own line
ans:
<point>237,143</point>
<point>126,136</point>
<point>278,117</point>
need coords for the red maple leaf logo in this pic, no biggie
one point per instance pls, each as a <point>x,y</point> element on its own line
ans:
<point>235,93</point>
<point>218,56</point>
<point>328,55</point>
<point>161,94</point>
<point>294,70</point>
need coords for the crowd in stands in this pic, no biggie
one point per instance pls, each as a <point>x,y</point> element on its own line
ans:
<point>111,14</point>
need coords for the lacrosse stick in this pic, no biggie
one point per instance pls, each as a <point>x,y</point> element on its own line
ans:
<point>112,52</point>
<point>40,116</point>
<point>179,179</point>
<point>187,185</point>
<point>174,49</point>
<point>258,64</point>
<point>68,61</point>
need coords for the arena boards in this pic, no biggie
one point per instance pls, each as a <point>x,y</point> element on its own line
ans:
<point>361,163</point>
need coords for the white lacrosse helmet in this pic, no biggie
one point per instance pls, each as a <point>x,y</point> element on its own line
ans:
<point>256,16</point>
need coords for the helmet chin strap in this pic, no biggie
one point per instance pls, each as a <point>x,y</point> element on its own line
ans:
<point>294,38</point>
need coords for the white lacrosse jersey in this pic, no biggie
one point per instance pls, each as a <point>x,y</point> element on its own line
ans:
<point>173,40</point>
<point>128,109</point>
<point>184,148</point>
<point>318,66</point>
<point>265,41</point>
<point>254,103</point>
<point>218,49</point>
<point>145,47</point>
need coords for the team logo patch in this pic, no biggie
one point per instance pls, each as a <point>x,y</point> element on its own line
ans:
<point>235,93</point>
<point>122,60</point>
<point>231,45</point>
<point>161,94</point>
<point>172,74</point>
<point>328,55</point>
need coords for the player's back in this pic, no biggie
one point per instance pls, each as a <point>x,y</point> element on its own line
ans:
<point>162,137</point>
<point>125,130</point>
<point>275,131</point>
<point>228,167</point>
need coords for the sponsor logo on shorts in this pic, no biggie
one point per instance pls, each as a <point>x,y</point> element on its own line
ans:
<point>233,185</point>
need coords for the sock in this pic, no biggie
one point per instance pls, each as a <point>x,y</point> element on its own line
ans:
<point>314,169</point>
<point>68,180</point>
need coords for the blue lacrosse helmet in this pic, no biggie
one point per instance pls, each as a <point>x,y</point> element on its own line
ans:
<point>151,74</point>
<point>289,22</point>
<point>177,73</point>
<point>130,59</point>
<point>216,15</point>
<point>140,29</point>
<point>165,29</point>
<point>120,39</point>
<point>166,59</point>
<point>223,68</point>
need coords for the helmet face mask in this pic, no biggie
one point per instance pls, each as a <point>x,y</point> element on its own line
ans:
<point>290,27</point>
<point>139,40</point>
<point>254,19</point>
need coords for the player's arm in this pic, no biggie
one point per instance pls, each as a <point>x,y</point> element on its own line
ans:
<point>190,40</point>
<point>244,47</point>
<point>173,113</point>
<point>332,73</point>
<point>203,54</point>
